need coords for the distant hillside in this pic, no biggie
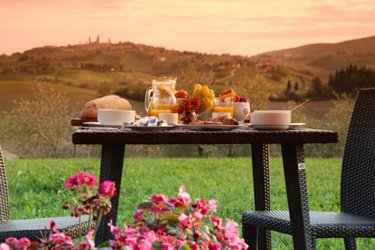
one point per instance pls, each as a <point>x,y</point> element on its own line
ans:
<point>96,69</point>
<point>329,56</point>
<point>128,68</point>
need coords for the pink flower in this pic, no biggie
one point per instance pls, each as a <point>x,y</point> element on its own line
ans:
<point>150,236</point>
<point>159,198</point>
<point>52,225</point>
<point>212,205</point>
<point>184,195</point>
<point>75,212</point>
<point>61,239</point>
<point>217,222</point>
<point>107,188</point>
<point>90,179</point>
<point>81,179</point>
<point>202,206</point>
<point>4,246</point>
<point>23,243</point>
<point>237,244</point>
<point>169,242</point>
<point>90,239</point>
<point>197,215</point>
<point>167,246</point>
<point>113,229</point>
<point>207,245</point>
<point>176,202</point>
<point>185,221</point>
<point>11,240</point>
<point>230,229</point>
<point>83,245</point>
<point>138,216</point>
<point>192,245</point>
<point>144,245</point>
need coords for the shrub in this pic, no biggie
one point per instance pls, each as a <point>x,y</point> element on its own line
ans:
<point>40,127</point>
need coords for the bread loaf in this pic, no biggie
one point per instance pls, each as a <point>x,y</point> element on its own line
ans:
<point>90,110</point>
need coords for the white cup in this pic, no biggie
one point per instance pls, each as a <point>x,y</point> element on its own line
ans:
<point>277,119</point>
<point>170,118</point>
<point>218,114</point>
<point>115,116</point>
<point>241,110</point>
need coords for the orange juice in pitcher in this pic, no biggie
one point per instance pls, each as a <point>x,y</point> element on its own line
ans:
<point>160,97</point>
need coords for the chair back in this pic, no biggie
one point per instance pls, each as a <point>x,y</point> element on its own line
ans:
<point>4,193</point>
<point>358,170</point>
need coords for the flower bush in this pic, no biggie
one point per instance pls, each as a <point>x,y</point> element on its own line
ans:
<point>177,223</point>
<point>160,223</point>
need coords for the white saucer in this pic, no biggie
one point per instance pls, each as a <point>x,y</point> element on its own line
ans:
<point>270,126</point>
<point>97,124</point>
<point>293,125</point>
<point>296,125</point>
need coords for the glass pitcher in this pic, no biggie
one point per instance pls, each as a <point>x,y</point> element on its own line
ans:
<point>159,98</point>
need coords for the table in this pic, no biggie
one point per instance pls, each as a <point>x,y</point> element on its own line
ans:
<point>113,143</point>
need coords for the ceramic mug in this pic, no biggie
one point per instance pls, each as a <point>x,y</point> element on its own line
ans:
<point>170,118</point>
<point>241,110</point>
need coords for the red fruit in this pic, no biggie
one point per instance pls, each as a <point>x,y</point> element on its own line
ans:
<point>181,94</point>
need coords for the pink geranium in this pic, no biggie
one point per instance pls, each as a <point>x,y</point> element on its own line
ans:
<point>21,244</point>
<point>212,205</point>
<point>107,188</point>
<point>159,223</point>
<point>157,199</point>
<point>185,197</point>
<point>139,215</point>
<point>81,179</point>
<point>185,221</point>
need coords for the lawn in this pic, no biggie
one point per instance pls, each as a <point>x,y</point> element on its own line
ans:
<point>37,186</point>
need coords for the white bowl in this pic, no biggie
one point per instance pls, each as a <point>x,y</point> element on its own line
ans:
<point>115,116</point>
<point>271,119</point>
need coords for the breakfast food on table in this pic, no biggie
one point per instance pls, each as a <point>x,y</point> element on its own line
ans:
<point>236,105</point>
<point>90,109</point>
<point>220,120</point>
<point>229,96</point>
<point>205,95</point>
<point>160,98</point>
<point>188,108</point>
<point>181,94</point>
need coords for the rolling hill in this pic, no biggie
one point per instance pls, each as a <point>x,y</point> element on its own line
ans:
<point>329,56</point>
<point>91,70</point>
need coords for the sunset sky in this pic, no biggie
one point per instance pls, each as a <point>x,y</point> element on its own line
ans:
<point>244,27</point>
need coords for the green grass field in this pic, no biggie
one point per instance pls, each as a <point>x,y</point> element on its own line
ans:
<point>37,186</point>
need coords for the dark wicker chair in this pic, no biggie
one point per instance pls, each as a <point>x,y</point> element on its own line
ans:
<point>34,229</point>
<point>357,216</point>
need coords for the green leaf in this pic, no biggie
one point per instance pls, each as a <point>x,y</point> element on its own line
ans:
<point>186,247</point>
<point>156,245</point>
<point>145,205</point>
<point>169,217</point>
<point>104,244</point>
<point>169,205</point>
<point>188,231</point>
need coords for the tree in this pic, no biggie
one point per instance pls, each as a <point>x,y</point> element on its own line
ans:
<point>317,88</point>
<point>289,86</point>
<point>350,79</point>
<point>296,88</point>
<point>40,127</point>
